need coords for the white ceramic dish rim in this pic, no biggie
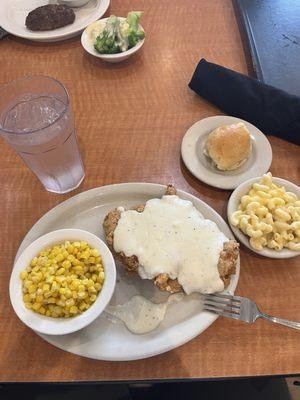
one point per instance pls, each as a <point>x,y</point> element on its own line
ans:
<point>50,36</point>
<point>221,181</point>
<point>74,3</point>
<point>233,205</point>
<point>89,48</point>
<point>61,326</point>
<point>186,330</point>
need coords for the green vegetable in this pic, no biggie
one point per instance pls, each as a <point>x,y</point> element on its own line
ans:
<point>120,35</point>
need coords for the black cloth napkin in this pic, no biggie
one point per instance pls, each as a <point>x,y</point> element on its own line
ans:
<point>272,110</point>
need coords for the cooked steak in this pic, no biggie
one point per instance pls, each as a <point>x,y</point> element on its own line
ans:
<point>49,17</point>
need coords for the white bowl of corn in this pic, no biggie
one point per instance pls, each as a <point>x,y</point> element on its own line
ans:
<point>62,281</point>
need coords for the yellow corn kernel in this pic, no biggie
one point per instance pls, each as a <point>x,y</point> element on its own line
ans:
<point>90,283</point>
<point>74,294</point>
<point>36,306</point>
<point>95,253</point>
<point>32,289</point>
<point>85,255</point>
<point>83,306</point>
<point>92,290</point>
<point>76,262</point>
<point>60,271</point>
<point>42,310</point>
<point>74,285</point>
<point>65,254</point>
<point>23,275</point>
<point>93,297</point>
<point>34,261</point>
<point>60,279</point>
<point>39,298</point>
<point>68,293</point>
<point>59,257</point>
<point>57,309</point>
<point>74,310</point>
<point>98,286</point>
<point>27,284</point>
<point>54,287</point>
<point>26,298</point>
<point>49,279</point>
<point>70,249</point>
<point>70,302</point>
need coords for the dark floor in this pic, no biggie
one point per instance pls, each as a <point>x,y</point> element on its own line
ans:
<point>241,389</point>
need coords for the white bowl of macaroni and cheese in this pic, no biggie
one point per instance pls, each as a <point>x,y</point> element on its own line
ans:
<point>264,214</point>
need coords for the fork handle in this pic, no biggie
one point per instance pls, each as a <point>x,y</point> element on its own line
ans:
<point>285,322</point>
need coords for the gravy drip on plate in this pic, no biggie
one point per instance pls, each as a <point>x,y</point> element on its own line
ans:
<point>141,315</point>
<point>171,236</point>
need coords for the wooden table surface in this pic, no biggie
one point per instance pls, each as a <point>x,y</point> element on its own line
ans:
<point>130,119</point>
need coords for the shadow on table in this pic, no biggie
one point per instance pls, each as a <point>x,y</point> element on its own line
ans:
<point>246,389</point>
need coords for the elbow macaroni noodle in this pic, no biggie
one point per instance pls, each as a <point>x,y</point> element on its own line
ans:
<point>270,216</point>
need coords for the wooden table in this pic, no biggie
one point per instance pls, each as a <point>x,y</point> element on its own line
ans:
<point>130,119</point>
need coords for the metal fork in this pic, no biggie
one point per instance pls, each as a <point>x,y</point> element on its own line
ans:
<point>240,308</point>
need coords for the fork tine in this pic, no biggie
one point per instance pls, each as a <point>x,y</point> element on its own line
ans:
<point>222,305</point>
<point>224,296</point>
<point>220,312</point>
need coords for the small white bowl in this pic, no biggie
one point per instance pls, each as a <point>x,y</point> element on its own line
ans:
<point>233,205</point>
<point>61,326</point>
<point>74,3</point>
<point>111,58</point>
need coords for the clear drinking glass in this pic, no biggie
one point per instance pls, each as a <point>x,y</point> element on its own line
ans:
<point>37,121</point>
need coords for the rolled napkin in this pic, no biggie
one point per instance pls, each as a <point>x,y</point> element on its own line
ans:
<point>272,110</point>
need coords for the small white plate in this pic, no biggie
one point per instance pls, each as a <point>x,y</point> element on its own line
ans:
<point>61,326</point>
<point>233,205</point>
<point>201,166</point>
<point>111,58</point>
<point>13,14</point>
<point>107,339</point>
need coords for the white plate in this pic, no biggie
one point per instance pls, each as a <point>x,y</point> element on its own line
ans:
<point>233,204</point>
<point>111,58</point>
<point>13,14</point>
<point>105,339</point>
<point>201,167</point>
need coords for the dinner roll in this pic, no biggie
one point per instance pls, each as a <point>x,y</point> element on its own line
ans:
<point>229,146</point>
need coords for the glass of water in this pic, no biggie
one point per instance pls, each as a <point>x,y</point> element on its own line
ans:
<point>36,120</point>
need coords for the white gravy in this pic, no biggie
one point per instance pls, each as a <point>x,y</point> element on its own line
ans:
<point>171,236</point>
<point>140,315</point>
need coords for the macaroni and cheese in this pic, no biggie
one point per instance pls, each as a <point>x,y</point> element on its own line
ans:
<point>270,216</point>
